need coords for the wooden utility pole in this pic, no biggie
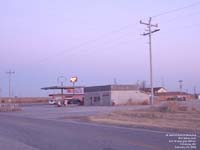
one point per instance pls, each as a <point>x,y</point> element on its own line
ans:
<point>149,33</point>
<point>180,85</point>
<point>10,77</point>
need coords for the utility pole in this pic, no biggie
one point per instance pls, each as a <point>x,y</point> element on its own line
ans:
<point>194,90</point>
<point>73,80</point>
<point>149,33</point>
<point>0,92</point>
<point>180,85</point>
<point>115,81</point>
<point>61,79</point>
<point>10,77</point>
<point>162,82</point>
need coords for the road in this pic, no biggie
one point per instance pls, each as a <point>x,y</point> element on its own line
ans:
<point>22,132</point>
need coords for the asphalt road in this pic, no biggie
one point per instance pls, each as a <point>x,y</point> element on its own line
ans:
<point>23,132</point>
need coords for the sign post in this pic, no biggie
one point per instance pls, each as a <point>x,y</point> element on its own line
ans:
<point>73,80</point>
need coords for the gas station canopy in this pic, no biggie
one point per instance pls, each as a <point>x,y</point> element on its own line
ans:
<point>61,87</point>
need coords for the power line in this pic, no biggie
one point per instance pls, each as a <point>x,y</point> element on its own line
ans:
<point>91,41</point>
<point>112,45</point>
<point>176,9</point>
<point>176,18</point>
<point>77,47</point>
<point>109,43</point>
<point>180,28</point>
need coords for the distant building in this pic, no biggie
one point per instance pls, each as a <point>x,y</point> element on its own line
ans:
<point>107,95</point>
<point>174,96</point>
<point>155,90</point>
<point>197,96</point>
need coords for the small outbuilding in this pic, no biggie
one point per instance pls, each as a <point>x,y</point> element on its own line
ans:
<point>156,90</point>
<point>108,95</point>
<point>197,96</point>
<point>174,96</point>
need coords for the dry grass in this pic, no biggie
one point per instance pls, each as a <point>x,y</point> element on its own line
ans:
<point>170,107</point>
<point>135,102</point>
<point>24,100</point>
<point>9,107</point>
<point>170,115</point>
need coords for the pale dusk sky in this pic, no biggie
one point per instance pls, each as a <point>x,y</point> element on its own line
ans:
<point>98,41</point>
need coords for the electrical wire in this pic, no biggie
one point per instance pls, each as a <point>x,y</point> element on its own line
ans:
<point>92,48</point>
<point>181,27</point>
<point>107,47</point>
<point>170,21</point>
<point>92,41</point>
<point>176,9</point>
<point>77,47</point>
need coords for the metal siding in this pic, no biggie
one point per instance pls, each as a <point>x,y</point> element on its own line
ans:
<point>124,97</point>
<point>110,88</point>
<point>104,98</point>
<point>120,94</point>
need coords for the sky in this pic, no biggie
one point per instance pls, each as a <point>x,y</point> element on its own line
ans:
<point>99,41</point>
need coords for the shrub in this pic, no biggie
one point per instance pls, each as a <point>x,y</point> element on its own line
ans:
<point>145,103</point>
<point>135,102</point>
<point>171,107</point>
<point>9,107</point>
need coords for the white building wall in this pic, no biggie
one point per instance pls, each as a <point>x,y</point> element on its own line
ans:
<point>119,97</point>
<point>125,97</point>
<point>162,90</point>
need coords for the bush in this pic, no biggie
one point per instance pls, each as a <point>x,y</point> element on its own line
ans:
<point>171,107</point>
<point>9,107</point>
<point>145,103</point>
<point>2,101</point>
<point>135,102</point>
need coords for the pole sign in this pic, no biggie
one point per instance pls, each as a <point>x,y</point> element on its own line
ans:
<point>73,79</point>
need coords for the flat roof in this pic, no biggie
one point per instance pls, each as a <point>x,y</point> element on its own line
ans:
<point>75,94</point>
<point>111,88</point>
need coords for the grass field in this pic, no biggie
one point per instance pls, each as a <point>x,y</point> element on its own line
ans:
<point>12,104</point>
<point>9,107</point>
<point>170,115</point>
<point>24,100</point>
